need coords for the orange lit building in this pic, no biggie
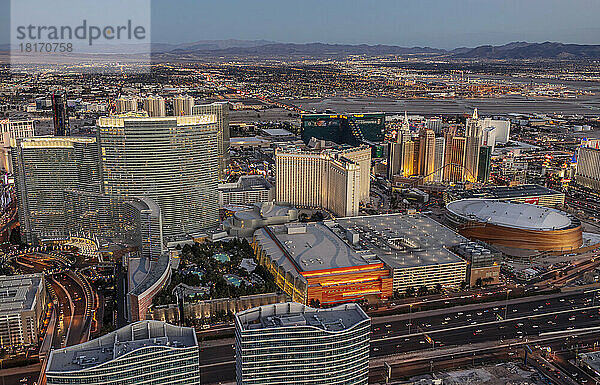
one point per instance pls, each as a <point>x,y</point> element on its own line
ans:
<point>314,265</point>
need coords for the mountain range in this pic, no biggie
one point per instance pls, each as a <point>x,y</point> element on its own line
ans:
<point>264,48</point>
<point>524,50</point>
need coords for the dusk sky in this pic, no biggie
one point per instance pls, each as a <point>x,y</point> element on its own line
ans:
<point>435,23</point>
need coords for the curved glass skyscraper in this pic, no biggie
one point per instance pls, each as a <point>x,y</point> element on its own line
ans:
<point>172,160</point>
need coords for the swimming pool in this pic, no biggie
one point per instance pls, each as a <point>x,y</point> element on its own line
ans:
<point>221,257</point>
<point>233,279</point>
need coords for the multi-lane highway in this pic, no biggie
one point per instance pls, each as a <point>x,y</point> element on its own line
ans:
<point>74,302</point>
<point>395,336</point>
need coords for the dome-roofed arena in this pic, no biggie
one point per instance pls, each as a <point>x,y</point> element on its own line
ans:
<point>516,225</point>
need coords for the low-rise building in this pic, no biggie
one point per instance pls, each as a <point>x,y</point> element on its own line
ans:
<point>415,248</point>
<point>243,223</point>
<point>22,309</point>
<point>527,193</point>
<point>314,265</point>
<point>248,189</point>
<point>140,296</point>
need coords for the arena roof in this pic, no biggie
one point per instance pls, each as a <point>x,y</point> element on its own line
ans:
<point>514,215</point>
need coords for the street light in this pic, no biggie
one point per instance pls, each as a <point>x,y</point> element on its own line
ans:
<point>409,317</point>
<point>506,304</point>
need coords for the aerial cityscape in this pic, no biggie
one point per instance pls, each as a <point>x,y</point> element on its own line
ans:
<point>303,194</point>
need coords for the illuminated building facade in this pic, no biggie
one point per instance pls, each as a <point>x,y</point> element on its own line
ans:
<point>126,104</point>
<point>473,135</point>
<point>11,131</point>
<point>438,159</point>
<point>587,172</point>
<point>221,111</point>
<point>171,160</point>
<point>352,129</point>
<point>426,160</point>
<point>326,179</point>
<point>313,264</point>
<point>182,105</point>
<point>44,168</point>
<point>455,158</point>
<point>408,158</point>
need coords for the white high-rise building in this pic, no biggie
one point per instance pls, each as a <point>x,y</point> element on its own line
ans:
<point>438,163</point>
<point>501,128</point>
<point>182,105</point>
<point>473,134</point>
<point>126,104</point>
<point>291,343</point>
<point>44,168</point>
<point>155,106</point>
<point>326,179</point>
<point>362,156</point>
<point>11,131</point>
<point>426,159</point>
<point>587,172</point>
<point>489,137</point>
<point>435,125</point>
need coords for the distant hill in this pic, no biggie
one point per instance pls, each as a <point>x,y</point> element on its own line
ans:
<point>292,49</point>
<point>264,48</point>
<point>524,50</point>
<point>208,45</point>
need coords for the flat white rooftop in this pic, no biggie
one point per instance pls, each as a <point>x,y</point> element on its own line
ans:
<point>17,293</point>
<point>118,343</point>
<point>292,314</point>
<point>515,215</point>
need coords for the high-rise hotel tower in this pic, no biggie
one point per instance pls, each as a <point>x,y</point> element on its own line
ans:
<point>171,160</point>
<point>221,111</point>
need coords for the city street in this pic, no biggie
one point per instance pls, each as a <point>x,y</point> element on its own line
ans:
<point>525,319</point>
